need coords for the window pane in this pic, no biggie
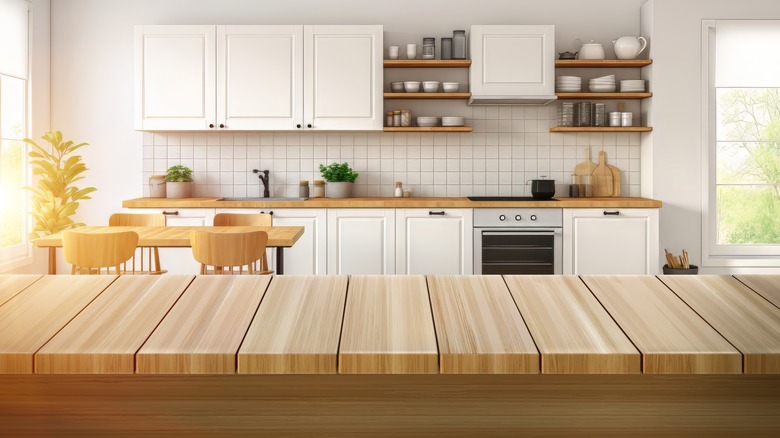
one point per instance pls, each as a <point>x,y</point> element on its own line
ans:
<point>12,108</point>
<point>11,194</point>
<point>749,114</point>
<point>748,215</point>
<point>748,162</point>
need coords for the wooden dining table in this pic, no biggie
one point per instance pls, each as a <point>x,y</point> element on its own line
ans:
<point>279,237</point>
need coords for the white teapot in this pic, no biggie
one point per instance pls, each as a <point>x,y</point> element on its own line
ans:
<point>591,51</point>
<point>629,47</point>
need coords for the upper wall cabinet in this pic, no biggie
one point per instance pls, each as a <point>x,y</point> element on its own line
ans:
<point>258,77</point>
<point>512,64</point>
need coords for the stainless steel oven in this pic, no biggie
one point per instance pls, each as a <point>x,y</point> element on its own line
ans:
<point>518,241</point>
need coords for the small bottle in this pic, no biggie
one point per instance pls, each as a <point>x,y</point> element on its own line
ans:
<point>446,48</point>
<point>399,192</point>
<point>389,118</point>
<point>458,44</point>
<point>406,118</point>
<point>397,118</point>
<point>318,189</point>
<point>303,189</point>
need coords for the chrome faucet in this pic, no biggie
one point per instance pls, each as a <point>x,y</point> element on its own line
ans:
<point>264,180</point>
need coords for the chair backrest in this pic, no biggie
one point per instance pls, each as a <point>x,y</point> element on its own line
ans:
<point>222,250</point>
<point>136,220</point>
<point>243,219</point>
<point>87,252</point>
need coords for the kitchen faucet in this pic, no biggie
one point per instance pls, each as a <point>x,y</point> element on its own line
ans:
<point>264,179</point>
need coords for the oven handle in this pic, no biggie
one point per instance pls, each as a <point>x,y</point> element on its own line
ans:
<point>520,233</point>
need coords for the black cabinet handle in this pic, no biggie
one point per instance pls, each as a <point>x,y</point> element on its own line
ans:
<point>221,125</point>
<point>298,126</point>
<point>270,212</point>
<point>211,125</point>
<point>309,125</point>
<point>436,213</point>
<point>171,213</point>
<point>611,213</point>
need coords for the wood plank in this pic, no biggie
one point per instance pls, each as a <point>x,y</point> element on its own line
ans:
<point>573,333</point>
<point>479,328</point>
<point>430,95</point>
<point>30,319</point>
<point>768,286</point>
<point>203,331</point>
<point>602,96</point>
<point>10,285</point>
<point>428,129</point>
<point>601,129</point>
<point>427,63</point>
<point>104,337</point>
<point>672,338</point>
<point>388,327</point>
<point>740,315</point>
<point>602,63</point>
<point>297,328</point>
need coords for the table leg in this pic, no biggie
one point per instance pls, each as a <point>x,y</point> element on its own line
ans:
<point>52,260</point>
<point>279,260</point>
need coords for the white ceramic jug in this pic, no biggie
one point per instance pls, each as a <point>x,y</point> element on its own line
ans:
<point>591,51</point>
<point>629,47</point>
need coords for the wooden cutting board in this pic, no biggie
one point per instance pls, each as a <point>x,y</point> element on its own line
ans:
<point>615,180</point>
<point>586,167</point>
<point>602,178</point>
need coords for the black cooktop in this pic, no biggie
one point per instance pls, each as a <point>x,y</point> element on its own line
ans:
<point>507,198</point>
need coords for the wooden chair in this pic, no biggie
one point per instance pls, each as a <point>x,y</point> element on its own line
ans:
<point>250,220</point>
<point>148,259</point>
<point>224,251</point>
<point>88,253</point>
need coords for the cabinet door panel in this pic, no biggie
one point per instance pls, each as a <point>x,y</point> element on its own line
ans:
<point>434,244</point>
<point>361,241</point>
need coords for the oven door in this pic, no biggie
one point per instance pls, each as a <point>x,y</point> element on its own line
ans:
<point>518,251</point>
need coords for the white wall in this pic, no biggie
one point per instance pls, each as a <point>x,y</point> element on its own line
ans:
<point>676,112</point>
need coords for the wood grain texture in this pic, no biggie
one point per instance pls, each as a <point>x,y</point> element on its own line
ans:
<point>740,315</point>
<point>427,63</point>
<point>297,327</point>
<point>602,63</point>
<point>768,286</point>
<point>601,129</point>
<point>573,333</point>
<point>10,285</point>
<point>104,337</point>
<point>203,331</point>
<point>414,202</point>
<point>672,338</point>
<point>479,328</point>
<point>180,236</point>
<point>388,327</point>
<point>30,319</point>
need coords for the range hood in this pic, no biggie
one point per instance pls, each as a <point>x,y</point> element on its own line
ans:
<point>512,64</point>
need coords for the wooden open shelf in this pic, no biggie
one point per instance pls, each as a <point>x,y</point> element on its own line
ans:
<point>427,63</point>
<point>427,95</point>
<point>600,129</point>
<point>428,129</point>
<point>603,95</point>
<point>602,63</point>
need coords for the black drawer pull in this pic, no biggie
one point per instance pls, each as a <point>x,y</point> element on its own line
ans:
<point>611,213</point>
<point>172,213</point>
<point>436,213</point>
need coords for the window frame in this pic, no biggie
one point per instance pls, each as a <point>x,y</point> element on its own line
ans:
<point>714,254</point>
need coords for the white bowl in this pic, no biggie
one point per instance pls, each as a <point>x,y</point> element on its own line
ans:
<point>601,88</point>
<point>427,121</point>
<point>430,86</point>
<point>450,87</point>
<point>452,121</point>
<point>412,86</point>
<point>397,87</point>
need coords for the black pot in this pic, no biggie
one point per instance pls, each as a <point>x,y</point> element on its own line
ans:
<point>543,188</point>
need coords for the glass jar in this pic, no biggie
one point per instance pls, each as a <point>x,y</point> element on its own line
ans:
<point>446,48</point>
<point>397,118</point>
<point>429,48</point>
<point>389,118</point>
<point>458,44</point>
<point>303,189</point>
<point>406,118</point>
<point>318,189</point>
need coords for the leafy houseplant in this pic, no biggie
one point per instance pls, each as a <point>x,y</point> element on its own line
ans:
<point>340,178</point>
<point>178,182</point>
<point>55,198</point>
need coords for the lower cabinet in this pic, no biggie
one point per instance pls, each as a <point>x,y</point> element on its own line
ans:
<point>434,241</point>
<point>361,241</point>
<point>610,241</point>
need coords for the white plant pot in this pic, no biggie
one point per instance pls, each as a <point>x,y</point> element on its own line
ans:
<point>178,189</point>
<point>340,189</point>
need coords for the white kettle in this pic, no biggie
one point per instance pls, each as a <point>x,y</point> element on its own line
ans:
<point>629,47</point>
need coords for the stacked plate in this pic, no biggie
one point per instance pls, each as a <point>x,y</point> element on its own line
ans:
<point>451,121</point>
<point>603,84</point>
<point>568,84</point>
<point>632,86</point>
<point>427,121</point>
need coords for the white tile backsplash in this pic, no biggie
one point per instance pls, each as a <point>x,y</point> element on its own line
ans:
<point>509,146</point>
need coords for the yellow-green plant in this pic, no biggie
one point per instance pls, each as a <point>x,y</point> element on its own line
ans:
<point>55,199</point>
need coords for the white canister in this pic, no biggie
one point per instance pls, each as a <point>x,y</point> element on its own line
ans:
<point>626,119</point>
<point>157,186</point>
<point>614,119</point>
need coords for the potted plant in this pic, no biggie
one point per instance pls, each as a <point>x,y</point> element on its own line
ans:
<point>340,178</point>
<point>178,182</point>
<point>55,198</point>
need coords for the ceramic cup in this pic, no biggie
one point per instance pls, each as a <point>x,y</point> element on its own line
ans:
<point>411,51</point>
<point>392,52</point>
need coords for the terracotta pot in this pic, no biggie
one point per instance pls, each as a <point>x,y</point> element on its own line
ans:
<point>178,189</point>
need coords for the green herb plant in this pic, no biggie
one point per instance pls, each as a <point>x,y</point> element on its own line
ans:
<point>178,173</point>
<point>338,172</point>
<point>55,198</point>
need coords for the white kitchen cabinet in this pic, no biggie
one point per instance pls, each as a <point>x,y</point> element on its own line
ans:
<point>610,241</point>
<point>434,241</point>
<point>258,77</point>
<point>308,256</point>
<point>512,64</point>
<point>361,241</point>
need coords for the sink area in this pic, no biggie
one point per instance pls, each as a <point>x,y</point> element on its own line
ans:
<point>261,199</point>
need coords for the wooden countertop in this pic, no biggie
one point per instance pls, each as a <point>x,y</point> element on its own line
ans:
<point>174,324</point>
<point>379,202</point>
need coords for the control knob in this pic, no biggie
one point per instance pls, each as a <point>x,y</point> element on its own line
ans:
<point>533,217</point>
<point>517,217</point>
<point>502,218</point>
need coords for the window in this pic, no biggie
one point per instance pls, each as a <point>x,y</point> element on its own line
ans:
<point>742,104</point>
<point>14,110</point>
